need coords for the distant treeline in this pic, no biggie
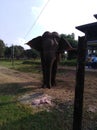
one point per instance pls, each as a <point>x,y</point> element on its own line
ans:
<point>16,52</point>
<point>19,52</point>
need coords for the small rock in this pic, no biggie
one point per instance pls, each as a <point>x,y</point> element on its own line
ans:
<point>92,109</point>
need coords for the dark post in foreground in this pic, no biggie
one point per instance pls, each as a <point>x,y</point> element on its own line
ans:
<point>79,88</point>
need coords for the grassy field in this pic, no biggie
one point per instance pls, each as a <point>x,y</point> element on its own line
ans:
<point>15,116</point>
<point>31,65</point>
<point>22,65</point>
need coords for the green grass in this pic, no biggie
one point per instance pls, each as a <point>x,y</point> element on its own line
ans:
<point>68,62</point>
<point>6,63</point>
<point>21,119</point>
<point>33,66</point>
<point>14,116</point>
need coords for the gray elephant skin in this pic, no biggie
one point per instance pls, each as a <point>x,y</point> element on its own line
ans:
<point>50,45</point>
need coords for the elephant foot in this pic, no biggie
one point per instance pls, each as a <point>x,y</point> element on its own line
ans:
<point>49,87</point>
<point>43,86</point>
<point>53,83</point>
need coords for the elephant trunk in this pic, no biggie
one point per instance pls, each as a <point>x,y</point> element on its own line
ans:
<point>49,75</point>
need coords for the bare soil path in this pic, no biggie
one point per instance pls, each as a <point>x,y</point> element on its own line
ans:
<point>32,83</point>
<point>64,91</point>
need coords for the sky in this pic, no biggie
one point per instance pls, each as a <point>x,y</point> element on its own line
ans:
<point>23,20</point>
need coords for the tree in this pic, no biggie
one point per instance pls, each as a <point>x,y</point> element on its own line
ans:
<point>8,52</point>
<point>31,53</point>
<point>72,54</point>
<point>71,39</point>
<point>2,48</point>
<point>14,51</point>
<point>17,51</point>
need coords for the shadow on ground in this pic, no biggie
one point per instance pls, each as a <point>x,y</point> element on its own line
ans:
<point>17,88</point>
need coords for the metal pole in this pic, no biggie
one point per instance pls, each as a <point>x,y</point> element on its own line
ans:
<point>12,55</point>
<point>79,88</point>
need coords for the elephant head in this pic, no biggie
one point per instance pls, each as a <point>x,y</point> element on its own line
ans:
<point>50,45</point>
<point>63,44</point>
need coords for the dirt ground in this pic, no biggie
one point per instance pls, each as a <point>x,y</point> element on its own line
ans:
<point>64,91</point>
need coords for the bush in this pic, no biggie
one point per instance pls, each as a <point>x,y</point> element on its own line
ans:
<point>36,62</point>
<point>68,62</point>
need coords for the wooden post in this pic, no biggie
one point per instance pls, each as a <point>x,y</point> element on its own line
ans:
<point>79,88</point>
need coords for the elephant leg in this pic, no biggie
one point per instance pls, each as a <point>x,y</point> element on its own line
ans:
<point>44,76</point>
<point>54,71</point>
<point>43,71</point>
<point>46,69</point>
<point>48,76</point>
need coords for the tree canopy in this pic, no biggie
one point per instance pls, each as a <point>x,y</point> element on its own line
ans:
<point>31,53</point>
<point>71,39</point>
<point>72,54</point>
<point>19,52</point>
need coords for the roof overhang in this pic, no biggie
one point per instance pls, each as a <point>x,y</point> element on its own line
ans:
<point>95,15</point>
<point>90,30</point>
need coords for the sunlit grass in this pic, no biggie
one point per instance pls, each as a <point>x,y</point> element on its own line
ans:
<point>23,65</point>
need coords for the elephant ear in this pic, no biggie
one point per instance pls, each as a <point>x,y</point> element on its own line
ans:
<point>36,43</point>
<point>64,45</point>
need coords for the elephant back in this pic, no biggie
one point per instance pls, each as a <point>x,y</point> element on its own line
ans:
<point>47,34</point>
<point>50,35</point>
<point>56,36</point>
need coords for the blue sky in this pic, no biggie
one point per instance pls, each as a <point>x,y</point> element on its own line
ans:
<point>18,16</point>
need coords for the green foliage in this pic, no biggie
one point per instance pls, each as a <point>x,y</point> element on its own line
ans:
<point>31,53</point>
<point>7,52</point>
<point>14,51</point>
<point>72,54</point>
<point>36,62</point>
<point>32,65</point>
<point>71,39</point>
<point>17,51</point>
<point>68,62</point>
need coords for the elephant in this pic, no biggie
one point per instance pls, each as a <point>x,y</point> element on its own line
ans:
<point>50,45</point>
